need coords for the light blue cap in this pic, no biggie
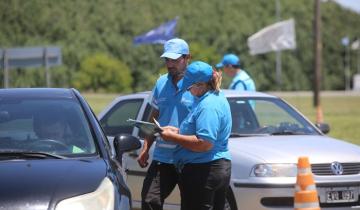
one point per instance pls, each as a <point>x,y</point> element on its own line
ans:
<point>229,59</point>
<point>174,48</point>
<point>197,71</point>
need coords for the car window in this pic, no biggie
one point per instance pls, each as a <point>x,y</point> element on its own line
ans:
<point>266,116</point>
<point>45,125</point>
<point>269,113</point>
<point>243,116</point>
<point>146,118</point>
<point>115,121</point>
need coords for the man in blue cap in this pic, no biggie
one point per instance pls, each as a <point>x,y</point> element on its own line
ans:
<point>241,80</point>
<point>171,104</point>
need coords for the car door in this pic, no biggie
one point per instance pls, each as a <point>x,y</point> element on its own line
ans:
<point>114,122</point>
<point>136,174</point>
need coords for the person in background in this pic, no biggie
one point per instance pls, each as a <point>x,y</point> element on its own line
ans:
<point>171,105</point>
<point>241,80</point>
<point>202,157</point>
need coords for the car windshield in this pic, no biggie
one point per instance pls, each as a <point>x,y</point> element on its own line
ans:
<point>267,116</point>
<point>50,127</point>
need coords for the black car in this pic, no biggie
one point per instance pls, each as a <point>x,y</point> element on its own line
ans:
<point>54,154</point>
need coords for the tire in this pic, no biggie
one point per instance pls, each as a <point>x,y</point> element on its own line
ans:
<point>230,203</point>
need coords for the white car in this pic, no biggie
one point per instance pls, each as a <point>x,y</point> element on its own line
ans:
<point>268,136</point>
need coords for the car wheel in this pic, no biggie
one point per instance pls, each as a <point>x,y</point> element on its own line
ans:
<point>230,203</point>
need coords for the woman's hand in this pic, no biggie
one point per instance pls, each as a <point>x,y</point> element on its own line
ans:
<point>168,132</point>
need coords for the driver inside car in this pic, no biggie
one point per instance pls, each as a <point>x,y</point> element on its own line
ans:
<point>54,132</point>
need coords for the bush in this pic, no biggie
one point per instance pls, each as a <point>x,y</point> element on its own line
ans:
<point>102,73</point>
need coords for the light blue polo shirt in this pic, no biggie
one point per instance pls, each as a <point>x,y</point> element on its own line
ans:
<point>242,81</point>
<point>173,106</point>
<point>209,120</point>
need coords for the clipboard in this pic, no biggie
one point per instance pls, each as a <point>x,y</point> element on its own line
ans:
<point>146,127</point>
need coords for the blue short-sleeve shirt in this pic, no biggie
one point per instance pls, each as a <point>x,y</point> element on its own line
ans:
<point>242,81</point>
<point>210,120</point>
<point>173,105</point>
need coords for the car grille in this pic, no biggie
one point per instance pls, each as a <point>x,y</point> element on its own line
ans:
<point>325,170</point>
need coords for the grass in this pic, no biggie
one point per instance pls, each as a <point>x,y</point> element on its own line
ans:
<point>99,101</point>
<point>341,110</point>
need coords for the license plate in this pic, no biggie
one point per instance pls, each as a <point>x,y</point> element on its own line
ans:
<point>340,196</point>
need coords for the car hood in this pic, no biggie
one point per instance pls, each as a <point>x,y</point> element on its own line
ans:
<point>287,149</point>
<point>40,184</point>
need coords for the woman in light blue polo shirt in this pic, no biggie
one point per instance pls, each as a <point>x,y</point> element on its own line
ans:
<point>203,158</point>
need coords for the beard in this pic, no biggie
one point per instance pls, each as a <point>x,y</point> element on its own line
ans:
<point>176,73</point>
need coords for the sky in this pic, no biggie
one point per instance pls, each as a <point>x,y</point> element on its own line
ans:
<point>350,4</point>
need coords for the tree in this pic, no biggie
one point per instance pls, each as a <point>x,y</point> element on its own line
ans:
<point>101,72</point>
<point>211,27</point>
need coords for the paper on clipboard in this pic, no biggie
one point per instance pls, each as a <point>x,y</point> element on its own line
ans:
<point>146,127</point>
<point>157,123</point>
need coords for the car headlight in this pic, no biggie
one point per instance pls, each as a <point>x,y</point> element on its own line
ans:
<point>274,170</point>
<point>101,199</point>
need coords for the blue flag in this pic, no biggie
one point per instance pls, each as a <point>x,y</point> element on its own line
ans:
<point>158,35</point>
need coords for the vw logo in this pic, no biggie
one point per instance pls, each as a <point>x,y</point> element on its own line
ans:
<point>337,168</point>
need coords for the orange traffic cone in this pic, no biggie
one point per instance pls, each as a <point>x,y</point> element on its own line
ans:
<point>306,197</point>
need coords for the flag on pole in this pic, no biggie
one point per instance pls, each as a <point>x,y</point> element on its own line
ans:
<point>276,37</point>
<point>355,45</point>
<point>158,35</point>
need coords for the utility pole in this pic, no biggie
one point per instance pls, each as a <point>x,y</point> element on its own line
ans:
<point>318,61</point>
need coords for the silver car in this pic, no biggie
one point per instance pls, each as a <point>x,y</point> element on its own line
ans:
<point>268,136</point>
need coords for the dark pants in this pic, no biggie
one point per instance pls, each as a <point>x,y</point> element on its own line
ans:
<point>204,185</point>
<point>160,181</point>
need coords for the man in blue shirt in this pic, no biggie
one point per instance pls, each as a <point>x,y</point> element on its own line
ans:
<point>241,80</point>
<point>170,105</point>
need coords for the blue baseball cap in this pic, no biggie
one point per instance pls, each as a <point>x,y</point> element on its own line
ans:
<point>174,48</point>
<point>229,59</point>
<point>197,71</point>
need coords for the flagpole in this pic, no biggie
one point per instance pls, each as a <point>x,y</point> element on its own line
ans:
<point>278,52</point>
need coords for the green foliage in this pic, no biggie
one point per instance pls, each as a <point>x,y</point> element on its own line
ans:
<point>212,28</point>
<point>100,72</point>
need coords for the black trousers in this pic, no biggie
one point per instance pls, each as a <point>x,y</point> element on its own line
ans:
<point>160,181</point>
<point>204,185</point>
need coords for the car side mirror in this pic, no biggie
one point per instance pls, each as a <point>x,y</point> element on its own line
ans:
<point>324,127</point>
<point>125,143</point>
